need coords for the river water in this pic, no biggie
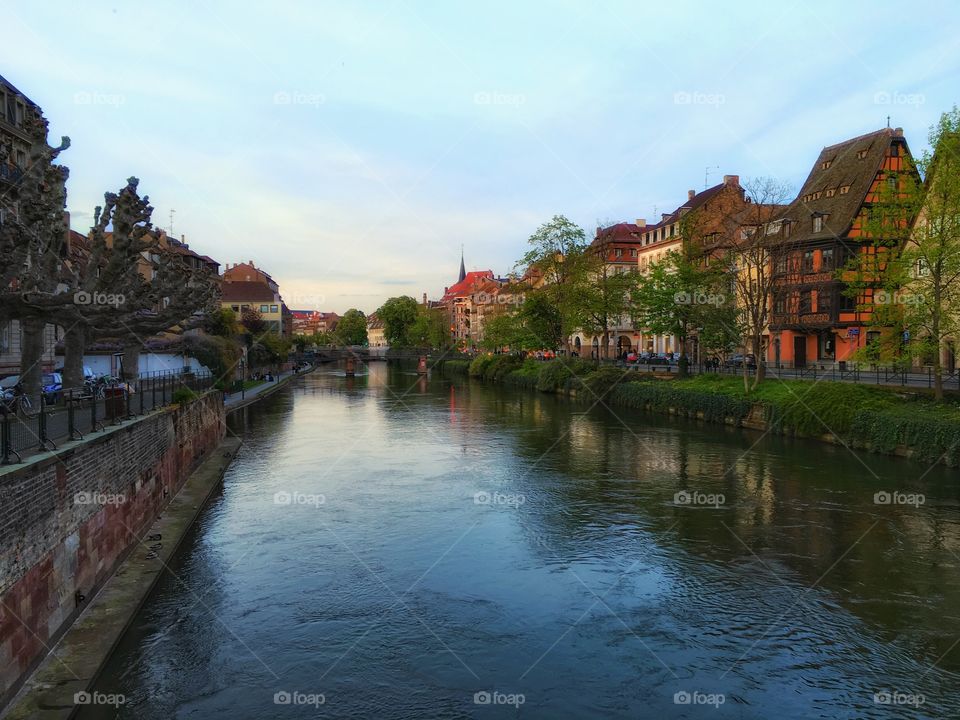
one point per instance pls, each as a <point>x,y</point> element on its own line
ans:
<point>395,547</point>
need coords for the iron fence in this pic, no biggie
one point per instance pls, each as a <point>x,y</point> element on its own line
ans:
<point>840,372</point>
<point>81,412</point>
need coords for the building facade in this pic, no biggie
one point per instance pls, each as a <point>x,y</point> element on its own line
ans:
<point>815,320</point>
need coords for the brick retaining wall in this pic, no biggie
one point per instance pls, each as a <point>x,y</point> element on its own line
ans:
<point>66,520</point>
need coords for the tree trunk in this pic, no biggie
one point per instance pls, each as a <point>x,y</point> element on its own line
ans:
<point>31,357</point>
<point>74,344</point>
<point>757,343</point>
<point>131,362</point>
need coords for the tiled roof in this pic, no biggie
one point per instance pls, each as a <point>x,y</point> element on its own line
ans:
<point>465,286</point>
<point>247,291</point>
<point>839,189</point>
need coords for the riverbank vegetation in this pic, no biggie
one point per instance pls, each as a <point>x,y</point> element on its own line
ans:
<point>880,419</point>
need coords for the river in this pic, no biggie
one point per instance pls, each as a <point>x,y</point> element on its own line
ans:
<point>389,546</point>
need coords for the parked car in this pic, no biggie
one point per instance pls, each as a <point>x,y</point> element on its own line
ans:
<point>659,359</point>
<point>736,361</point>
<point>52,384</point>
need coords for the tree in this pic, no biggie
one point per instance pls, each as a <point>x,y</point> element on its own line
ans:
<point>541,323</point>
<point>133,283</point>
<point>253,322</point>
<point>430,328</point>
<point>912,277</point>
<point>558,250</point>
<point>757,249</point>
<point>222,323</point>
<point>352,328</point>
<point>605,296</point>
<point>678,295</point>
<point>398,315</point>
<point>33,244</point>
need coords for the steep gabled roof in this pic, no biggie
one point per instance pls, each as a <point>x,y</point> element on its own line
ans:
<point>621,233</point>
<point>838,185</point>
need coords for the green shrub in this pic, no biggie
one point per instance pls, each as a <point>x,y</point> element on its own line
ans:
<point>930,439</point>
<point>456,367</point>
<point>479,364</point>
<point>599,383</point>
<point>661,395</point>
<point>183,395</point>
<point>500,366</point>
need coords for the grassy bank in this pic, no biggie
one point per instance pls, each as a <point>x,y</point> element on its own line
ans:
<point>883,420</point>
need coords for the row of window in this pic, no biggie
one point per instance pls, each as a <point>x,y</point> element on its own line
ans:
<point>263,308</point>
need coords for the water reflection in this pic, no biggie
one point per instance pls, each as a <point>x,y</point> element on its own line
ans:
<point>423,578</point>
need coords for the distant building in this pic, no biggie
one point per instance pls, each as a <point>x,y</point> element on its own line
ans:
<point>461,302</point>
<point>375,336</point>
<point>247,287</point>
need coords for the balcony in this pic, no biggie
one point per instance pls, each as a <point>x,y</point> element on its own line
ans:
<point>803,321</point>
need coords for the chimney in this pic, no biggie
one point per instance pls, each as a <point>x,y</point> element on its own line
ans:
<point>641,223</point>
<point>898,132</point>
<point>664,216</point>
<point>691,194</point>
<point>250,263</point>
<point>732,180</point>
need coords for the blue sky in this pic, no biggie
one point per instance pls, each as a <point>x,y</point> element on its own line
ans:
<point>351,148</point>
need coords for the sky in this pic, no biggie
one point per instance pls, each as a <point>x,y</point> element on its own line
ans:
<point>352,148</point>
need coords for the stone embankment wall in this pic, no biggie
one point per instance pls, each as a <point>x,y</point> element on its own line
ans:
<point>68,518</point>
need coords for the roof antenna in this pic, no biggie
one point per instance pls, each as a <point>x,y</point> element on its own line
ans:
<point>888,122</point>
<point>706,174</point>
<point>172,211</point>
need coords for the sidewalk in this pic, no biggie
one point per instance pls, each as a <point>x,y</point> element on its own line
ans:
<point>237,400</point>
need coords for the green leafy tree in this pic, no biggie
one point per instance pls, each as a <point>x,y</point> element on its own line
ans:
<point>679,295</point>
<point>430,329</point>
<point>605,296</point>
<point>558,249</point>
<point>910,281</point>
<point>352,328</point>
<point>399,315</point>
<point>222,323</point>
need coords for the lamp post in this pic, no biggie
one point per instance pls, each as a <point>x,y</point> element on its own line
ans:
<point>243,379</point>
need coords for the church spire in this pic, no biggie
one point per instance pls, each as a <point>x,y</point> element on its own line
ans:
<point>463,269</point>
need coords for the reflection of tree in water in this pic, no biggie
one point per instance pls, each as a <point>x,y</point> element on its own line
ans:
<point>794,510</point>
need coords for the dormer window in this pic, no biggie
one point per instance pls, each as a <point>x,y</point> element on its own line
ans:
<point>844,189</point>
<point>818,223</point>
<point>831,192</point>
<point>826,164</point>
<point>861,154</point>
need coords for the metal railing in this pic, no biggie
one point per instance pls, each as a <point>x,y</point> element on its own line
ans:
<point>87,410</point>
<point>835,372</point>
